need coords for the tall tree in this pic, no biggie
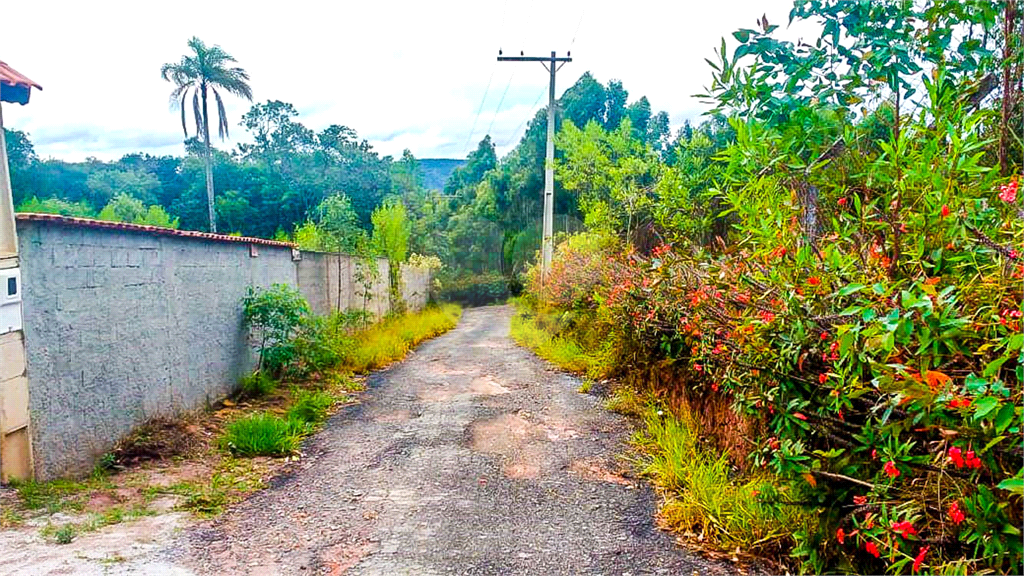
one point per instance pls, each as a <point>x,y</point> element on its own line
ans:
<point>205,70</point>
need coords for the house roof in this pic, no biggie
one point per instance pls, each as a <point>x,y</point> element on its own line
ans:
<point>125,227</point>
<point>15,86</point>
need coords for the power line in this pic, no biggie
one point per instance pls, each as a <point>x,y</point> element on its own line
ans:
<point>479,110</point>
<point>500,102</point>
<point>578,24</point>
<point>526,119</point>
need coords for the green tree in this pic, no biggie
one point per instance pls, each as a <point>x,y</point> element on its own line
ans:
<point>391,239</point>
<point>202,72</point>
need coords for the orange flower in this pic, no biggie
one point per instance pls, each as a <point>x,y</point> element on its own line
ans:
<point>840,535</point>
<point>814,281</point>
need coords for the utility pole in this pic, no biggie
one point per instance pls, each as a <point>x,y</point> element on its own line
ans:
<point>547,246</point>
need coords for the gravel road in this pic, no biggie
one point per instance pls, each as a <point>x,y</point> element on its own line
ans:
<point>471,457</point>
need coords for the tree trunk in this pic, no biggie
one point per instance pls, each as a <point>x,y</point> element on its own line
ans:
<point>209,164</point>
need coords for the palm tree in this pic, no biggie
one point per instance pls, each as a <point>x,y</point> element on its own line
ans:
<point>205,70</point>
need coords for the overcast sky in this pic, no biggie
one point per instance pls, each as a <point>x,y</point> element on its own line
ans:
<point>407,74</point>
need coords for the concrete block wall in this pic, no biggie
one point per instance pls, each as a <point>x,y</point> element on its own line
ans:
<point>415,286</point>
<point>124,323</point>
<point>122,326</point>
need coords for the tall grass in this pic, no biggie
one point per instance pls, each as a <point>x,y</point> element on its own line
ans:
<point>564,352</point>
<point>263,434</point>
<point>393,338</point>
<point>704,496</point>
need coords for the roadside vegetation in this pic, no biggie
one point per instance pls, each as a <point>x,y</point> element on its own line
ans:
<point>309,368</point>
<point>814,298</point>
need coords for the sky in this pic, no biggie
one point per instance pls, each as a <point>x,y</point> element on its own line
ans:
<point>410,75</point>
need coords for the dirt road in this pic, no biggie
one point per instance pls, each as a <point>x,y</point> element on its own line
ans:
<point>471,457</point>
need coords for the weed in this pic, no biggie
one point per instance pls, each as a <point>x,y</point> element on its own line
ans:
<point>56,495</point>
<point>342,382</point>
<point>390,340</point>
<point>626,401</point>
<point>311,406</point>
<point>564,352</point>
<point>256,385</point>
<point>585,386</point>
<point>10,518</point>
<point>65,534</point>
<point>263,435</point>
<point>702,494</point>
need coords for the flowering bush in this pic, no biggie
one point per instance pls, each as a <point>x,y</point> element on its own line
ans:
<point>893,402</point>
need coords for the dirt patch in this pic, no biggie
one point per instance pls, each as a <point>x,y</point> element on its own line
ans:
<point>338,559</point>
<point>393,417</point>
<point>487,385</point>
<point>596,470</point>
<point>505,434</point>
<point>157,439</point>
<point>482,386</point>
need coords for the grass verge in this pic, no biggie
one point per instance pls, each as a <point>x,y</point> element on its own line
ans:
<point>390,340</point>
<point>705,498</point>
<point>566,353</point>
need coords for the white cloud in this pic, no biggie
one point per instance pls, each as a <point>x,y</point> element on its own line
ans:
<point>403,74</point>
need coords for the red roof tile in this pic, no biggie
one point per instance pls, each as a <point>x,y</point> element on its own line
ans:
<point>12,77</point>
<point>90,223</point>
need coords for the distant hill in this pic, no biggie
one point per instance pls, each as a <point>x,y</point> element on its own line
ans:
<point>435,171</point>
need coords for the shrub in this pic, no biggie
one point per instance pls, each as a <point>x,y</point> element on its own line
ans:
<point>274,315</point>
<point>257,384</point>
<point>263,434</point>
<point>311,406</point>
<point>478,290</point>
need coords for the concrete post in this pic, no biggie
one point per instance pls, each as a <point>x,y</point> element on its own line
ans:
<point>15,435</point>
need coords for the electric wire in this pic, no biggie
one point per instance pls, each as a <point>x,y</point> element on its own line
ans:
<point>501,101</point>
<point>480,109</point>
<point>525,120</point>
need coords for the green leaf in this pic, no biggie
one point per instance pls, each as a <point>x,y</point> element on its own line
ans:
<point>850,289</point>
<point>1014,485</point>
<point>1005,417</point>
<point>983,406</point>
<point>993,367</point>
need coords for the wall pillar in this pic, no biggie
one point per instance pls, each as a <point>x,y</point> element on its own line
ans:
<point>15,436</point>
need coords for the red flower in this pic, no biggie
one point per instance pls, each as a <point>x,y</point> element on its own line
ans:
<point>840,535</point>
<point>714,386</point>
<point>698,367</point>
<point>814,280</point>
<point>799,416</point>
<point>874,454</point>
<point>956,516</point>
<point>1008,192</point>
<point>971,460</point>
<point>956,403</point>
<point>945,210</point>
<point>956,457</point>
<point>890,469</point>
<point>860,500</point>
<point>871,549</point>
<point>842,201</point>
<point>904,529</point>
<point>823,377</point>
<point>824,335</point>
<point>920,558</point>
